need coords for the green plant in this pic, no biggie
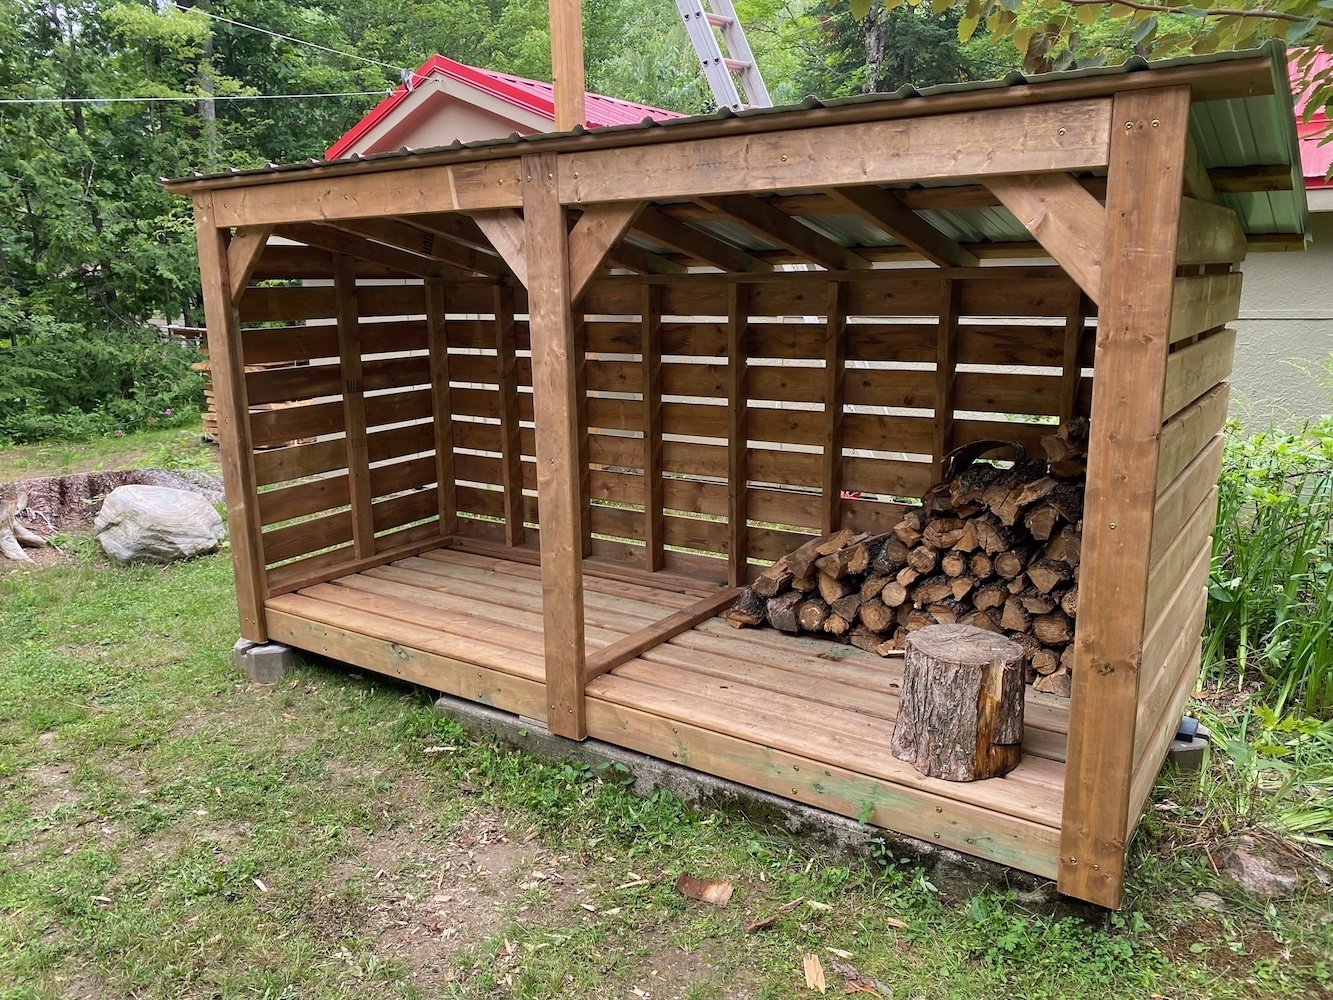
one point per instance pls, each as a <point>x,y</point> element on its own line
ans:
<point>1270,606</point>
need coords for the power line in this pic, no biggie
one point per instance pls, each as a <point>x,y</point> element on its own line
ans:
<point>189,100</point>
<point>403,74</point>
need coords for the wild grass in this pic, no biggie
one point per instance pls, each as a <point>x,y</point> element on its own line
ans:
<point>1270,608</point>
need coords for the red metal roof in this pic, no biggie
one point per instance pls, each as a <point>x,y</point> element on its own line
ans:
<point>1316,154</point>
<point>531,95</point>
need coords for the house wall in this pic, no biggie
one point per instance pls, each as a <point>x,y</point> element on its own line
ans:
<point>1286,329</point>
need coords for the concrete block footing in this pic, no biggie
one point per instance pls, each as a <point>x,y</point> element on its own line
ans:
<point>1187,754</point>
<point>957,876</point>
<point>265,662</point>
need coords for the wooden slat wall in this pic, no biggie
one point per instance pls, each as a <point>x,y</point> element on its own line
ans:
<point>1189,462</point>
<point>1010,365</point>
<point>320,518</point>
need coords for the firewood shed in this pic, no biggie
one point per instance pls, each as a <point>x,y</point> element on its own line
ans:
<point>561,394</point>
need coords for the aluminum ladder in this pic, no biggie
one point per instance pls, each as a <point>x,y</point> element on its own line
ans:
<point>724,69</point>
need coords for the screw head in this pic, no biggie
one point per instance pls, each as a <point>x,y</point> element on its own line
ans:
<point>783,157</point>
<point>1155,123</point>
<point>1061,130</point>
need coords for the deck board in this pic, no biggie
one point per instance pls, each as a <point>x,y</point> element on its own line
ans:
<point>797,716</point>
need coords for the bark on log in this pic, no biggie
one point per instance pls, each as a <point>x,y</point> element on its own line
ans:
<point>960,715</point>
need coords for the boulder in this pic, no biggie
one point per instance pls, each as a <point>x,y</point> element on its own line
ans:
<point>1259,869</point>
<point>157,524</point>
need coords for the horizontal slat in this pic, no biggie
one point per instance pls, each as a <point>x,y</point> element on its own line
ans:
<point>1204,302</point>
<point>297,461</point>
<point>1179,500</point>
<point>1193,370</point>
<point>267,345</point>
<point>1172,639</point>
<point>282,385</point>
<point>1179,553</point>
<point>1188,433</point>
<point>337,562</point>
<point>281,544</point>
<point>306,302</point>
<point>306,420</point>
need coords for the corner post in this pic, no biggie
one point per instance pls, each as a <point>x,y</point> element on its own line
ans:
<point>233,411</point>
<point>560,499</point>
<point>1143,204</point>
<point>567,64</point>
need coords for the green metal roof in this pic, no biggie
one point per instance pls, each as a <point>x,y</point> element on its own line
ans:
<point>1231,132</point>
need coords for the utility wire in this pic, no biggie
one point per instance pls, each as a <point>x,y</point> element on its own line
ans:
<point>399,71</point>
<point>189,100</point>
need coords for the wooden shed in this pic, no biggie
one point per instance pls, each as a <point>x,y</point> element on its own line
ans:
<point>567,391</point>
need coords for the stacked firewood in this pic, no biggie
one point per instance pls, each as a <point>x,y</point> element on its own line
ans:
<point>993,546</point>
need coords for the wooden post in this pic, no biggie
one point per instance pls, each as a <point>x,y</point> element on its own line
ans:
<point>835,378</point>
<point>1072,377</point>
<point>581,433</point>
<point>567,64</point>
<point>354,405</point>
<point>233,412</point>
<point>946,372</point>
<point>559,478</point>
<point>442,406</point>
<point>1143,205</point>
<point>654,521</point>
<point>511,434</point>
<point>738,431</point>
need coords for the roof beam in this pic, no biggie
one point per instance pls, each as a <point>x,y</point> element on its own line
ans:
<point>455,226</point>
<point>504,228</point>
<point>884,210</point>
<point>697,243</point>
<point>1065,219</point>
<point>1063,136</point>
<point>780,228</point>
<point>243,253</point>
<point>414,240</point>
<point>339,241</point>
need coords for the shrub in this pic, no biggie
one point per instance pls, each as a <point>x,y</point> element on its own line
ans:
<point>62,381</point>
<point>1270,607</point>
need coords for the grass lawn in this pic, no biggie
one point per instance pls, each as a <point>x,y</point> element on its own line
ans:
<point>167,830</point>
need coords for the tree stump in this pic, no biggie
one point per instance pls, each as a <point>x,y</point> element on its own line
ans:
<point>960,716</point>
<point>14,535</point>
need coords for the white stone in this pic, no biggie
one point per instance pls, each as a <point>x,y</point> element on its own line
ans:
<point>157,524</point>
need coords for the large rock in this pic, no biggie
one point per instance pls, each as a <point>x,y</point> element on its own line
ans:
<point>157,524</point>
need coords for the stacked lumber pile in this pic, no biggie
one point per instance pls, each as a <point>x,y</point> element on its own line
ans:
<point>991,546</point>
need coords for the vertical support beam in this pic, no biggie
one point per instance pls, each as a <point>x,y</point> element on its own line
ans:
<point>511,434</point>
<point>233,411</point>
<point>946,371</point>
<point>581,436</point>
<point>1143,204</point>
<point>559,478</point>
<point>835,377</point>
<point>354,404</point>
<point>1072,376</point>
<point>441,405</point>
<point>567,64</point>
<point>654,499</point>
<point>738,431</point>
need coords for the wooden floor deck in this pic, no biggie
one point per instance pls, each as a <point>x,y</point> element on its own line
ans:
<point>802,718</point>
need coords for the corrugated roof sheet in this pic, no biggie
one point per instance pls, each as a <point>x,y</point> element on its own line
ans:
<point>1248,131</point>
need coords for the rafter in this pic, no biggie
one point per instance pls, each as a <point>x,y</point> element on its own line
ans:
<point>884,210</point>
<point>1197,182</point>
<point>243,253</point>
<point>636,258</point>
<point>455,226</point>
<point>1065,219</point>
<point>414,240</point>
<point>696,243</point>
<point>504,228</point>
<point>340,241</point>
<point>780,228</point>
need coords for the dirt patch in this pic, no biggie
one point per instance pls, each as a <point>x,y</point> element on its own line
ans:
<point>427,898</point>
<point>52,789</point>
<point>68,503</point>
<point>669,972</point>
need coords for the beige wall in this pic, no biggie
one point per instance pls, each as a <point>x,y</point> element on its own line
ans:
<point>1286,330</point>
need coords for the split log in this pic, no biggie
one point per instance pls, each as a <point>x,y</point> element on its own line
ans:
<point>923,559</point>
<point>954,564</point>
<point>873,585</point>
<point>930,590</point>
<point>849,607</point>
<point>1045,661</point>
<point>891,557</point>
<point>893,594</point>
<point>1059,683</point>
<point>811,614</point>
<point>831,588</point>
<point>1015,617</point>
<point>836,625</point>
<point>1069,601</point>
<point>1041,522</point>
<point>961,586</point>
<point>988,596</point>
<point>781,611</point>
<point>749,609</point>
<point>1047,574</point>
<point>1053,629</point>
<point>877,616</point>
<point>1010,563</point>
<point>960,714</point>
